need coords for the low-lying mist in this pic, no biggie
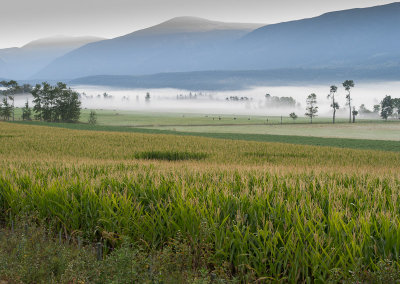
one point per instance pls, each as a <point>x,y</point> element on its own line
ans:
<point>242,102</point>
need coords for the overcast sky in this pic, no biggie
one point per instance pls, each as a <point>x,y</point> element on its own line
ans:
<point>22,21</point>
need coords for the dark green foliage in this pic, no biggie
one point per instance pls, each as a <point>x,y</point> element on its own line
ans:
<point>56,103</point>
<point>38,257</point>
<point>293,116</point>
<point>170,156</point>
<point>26,112</point>
<point>396,106</point>
<point>354,113</point>
<point>6,109</point>
<point>92,118</point>
<point>386,107</point>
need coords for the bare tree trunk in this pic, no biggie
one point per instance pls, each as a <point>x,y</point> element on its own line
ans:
<point>334,110</point>
<point>349,108</point>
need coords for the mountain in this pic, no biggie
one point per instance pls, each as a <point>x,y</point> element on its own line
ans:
<point>21,63</point>
<point>2,66</point>
<point>239,80</point>
<point>180,44</point>
<point>352,42</point>
<point>363,38</point>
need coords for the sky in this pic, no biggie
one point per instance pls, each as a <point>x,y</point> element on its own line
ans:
<point>22,21</point>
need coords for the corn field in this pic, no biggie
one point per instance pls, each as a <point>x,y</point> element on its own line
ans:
<point>264,211</point>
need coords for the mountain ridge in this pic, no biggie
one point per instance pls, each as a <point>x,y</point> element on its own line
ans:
<point>22,62</point>
<point>149,48</point>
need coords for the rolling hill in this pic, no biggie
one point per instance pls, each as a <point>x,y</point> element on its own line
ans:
<point>180,44</point>
<point>23,62</point>
<point>358,43</point>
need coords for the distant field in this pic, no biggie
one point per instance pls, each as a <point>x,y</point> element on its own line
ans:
<point>134,118</point>
<point>373,131</point>
<point>382,145</point>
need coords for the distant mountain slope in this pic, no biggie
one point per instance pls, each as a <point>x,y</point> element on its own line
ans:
<point>236,80</point>
<point>367,37</point>
<point>180,44</point>
<point>2,66</point>
<point>21,63</point>
<point>364,40</point>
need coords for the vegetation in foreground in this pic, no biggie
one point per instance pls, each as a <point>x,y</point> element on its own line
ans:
<point>32,254</point>
<point>246,211</point>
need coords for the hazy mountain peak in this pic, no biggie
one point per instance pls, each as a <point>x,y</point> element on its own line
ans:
<point>186,24</point>
<point>61,40</point>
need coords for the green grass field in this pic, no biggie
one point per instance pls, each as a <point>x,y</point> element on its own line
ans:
<point>371,131</point>
<point>188,199</point>
<point>242,211</point>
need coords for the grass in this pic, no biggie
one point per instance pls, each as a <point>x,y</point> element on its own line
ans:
<point>370,131</point>
<point>169,155</point>
<point>157,119</point>
<point>248,211</point>
<point>31,254</point>
<point>367,144</point>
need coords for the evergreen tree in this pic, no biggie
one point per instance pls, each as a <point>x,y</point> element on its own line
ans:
<point>92,118</point>
<point>26,112</point>
<point>6,109</point>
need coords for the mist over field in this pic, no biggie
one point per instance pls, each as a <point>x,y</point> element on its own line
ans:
<point>244,102</point>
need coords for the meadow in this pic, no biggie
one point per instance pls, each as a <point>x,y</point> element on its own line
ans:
<point>245,210</point>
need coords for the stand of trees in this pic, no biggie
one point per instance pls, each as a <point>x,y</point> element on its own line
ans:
<point>390,107</point>
<point>274,101</point>
<point>7,108</point>
<point>56,103</point>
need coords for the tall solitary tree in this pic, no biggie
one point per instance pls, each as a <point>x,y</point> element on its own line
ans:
<point>334,104</point>
<point>312,107</point>
<point>348,84</point>
<point>92,118</point>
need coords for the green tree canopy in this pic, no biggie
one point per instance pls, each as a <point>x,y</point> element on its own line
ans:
<point>56,103</point>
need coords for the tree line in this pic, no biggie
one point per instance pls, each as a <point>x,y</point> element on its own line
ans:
<point>52,103</point>
<point>389,107</point>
